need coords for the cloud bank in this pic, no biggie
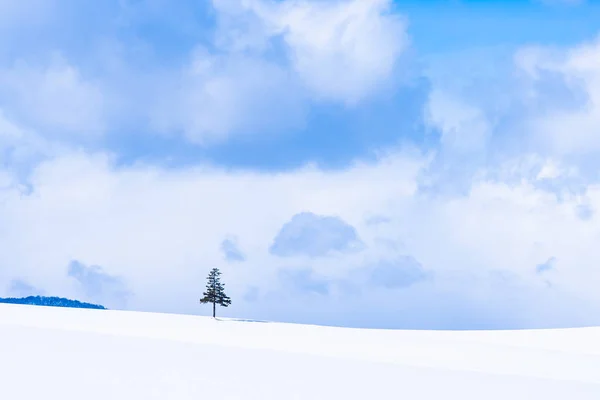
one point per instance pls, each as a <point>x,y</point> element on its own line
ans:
<point>472,204</point>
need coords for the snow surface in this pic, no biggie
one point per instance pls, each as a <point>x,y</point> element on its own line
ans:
<point>58,353</point>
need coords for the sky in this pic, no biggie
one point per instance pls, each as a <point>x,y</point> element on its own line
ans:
<point>380,164</point>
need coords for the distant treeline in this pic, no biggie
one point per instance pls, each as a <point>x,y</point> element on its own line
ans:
<point>50,301</point>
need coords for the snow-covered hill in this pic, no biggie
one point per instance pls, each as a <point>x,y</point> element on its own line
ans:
<point>66,354</point>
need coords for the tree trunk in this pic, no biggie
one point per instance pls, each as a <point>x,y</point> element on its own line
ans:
<point>214,285</point>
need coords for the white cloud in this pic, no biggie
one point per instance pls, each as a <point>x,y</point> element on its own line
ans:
<point>55,98</point>
<point>563,128</point>
<point>463,127</point>
<point>312,235</point>
<point>162,230</point>
<point>98,285</point>
<point>19,288</point>
<point>231,250</point>
<point>546,102</point>
<point>219,95</point>
<point>21,148</point>
<point>342,50</point>
<point>88,205</point>
<point>256,76</point>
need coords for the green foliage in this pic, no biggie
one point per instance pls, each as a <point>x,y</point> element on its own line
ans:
<point>215,291</point>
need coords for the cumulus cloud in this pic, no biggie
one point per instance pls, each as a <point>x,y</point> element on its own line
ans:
<point>97,285</point>
<point>532,116</point>
<point>220,95</point>
<point>322,39</point>
<point>545,102</point>
<point>274,58</point>
<point>362,39</point>
<point>256,73</point>
<point>21,147</point>
<point>562,128</point>
<point>313,235</point>
<point>20,288</point>
<point>231,250</point>
<point>399,273</point>
<point>464,128</point>
<point>55,98</point>
<point>546,266</point>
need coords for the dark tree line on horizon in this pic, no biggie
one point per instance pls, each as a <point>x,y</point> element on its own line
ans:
<point>50,301</point>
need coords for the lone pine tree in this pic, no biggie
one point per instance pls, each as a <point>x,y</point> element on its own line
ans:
<point>215,291</point>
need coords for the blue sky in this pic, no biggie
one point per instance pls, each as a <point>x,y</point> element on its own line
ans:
<point>442,26</point>
<point>433,161</point>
